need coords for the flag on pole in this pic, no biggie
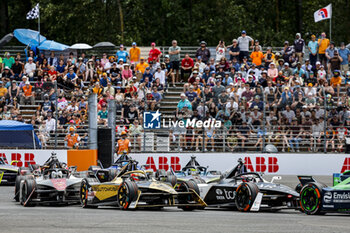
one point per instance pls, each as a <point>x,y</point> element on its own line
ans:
<point>323,13</point>
<point>33,13</point>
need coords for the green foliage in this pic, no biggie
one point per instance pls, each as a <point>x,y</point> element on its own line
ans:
<point>188,21</point>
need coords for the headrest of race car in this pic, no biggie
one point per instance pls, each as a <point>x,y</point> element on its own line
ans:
<point>102,175</point>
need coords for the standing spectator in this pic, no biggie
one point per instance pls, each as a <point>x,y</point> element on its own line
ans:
<point>135,53</point>
<point>220,50</point>
<point>72,139</point>
<point>295,135</point>
<point>186,66</point>
<point>154,54</point>
<point>344,53</point>
<point>299,45</point>
<point>269,57</point>
<point>28,94</point>
<point>122,54</point>
<point>323,44</point>
<point>313,47</point>
<point>103,115</point>
<point>243,42</point>
<point>174,55</point>
<point>203,52</point>
<point>123,144</point>
<point>234,50</point>
<point>136,131</point>
<point>334,62</point>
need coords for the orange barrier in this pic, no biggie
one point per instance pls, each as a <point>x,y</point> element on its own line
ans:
<point>83,159</point>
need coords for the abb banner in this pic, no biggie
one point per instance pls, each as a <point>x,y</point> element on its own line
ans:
<point>31,156</point>
<point>282,164</point>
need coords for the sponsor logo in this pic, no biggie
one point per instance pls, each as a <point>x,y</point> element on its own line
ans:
<point>151,120</point>
<point>192,123</point>
<point>341,197</point>
<point>105,188</point>
<point>327,198</point>
<point>225,195</point>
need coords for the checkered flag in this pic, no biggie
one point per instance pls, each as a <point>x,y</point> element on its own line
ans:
<point>33,13</point>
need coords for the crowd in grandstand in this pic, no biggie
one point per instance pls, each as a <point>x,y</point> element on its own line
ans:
<point>261,97</point>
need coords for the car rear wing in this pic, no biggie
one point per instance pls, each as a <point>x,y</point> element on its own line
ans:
<point>306,179</point>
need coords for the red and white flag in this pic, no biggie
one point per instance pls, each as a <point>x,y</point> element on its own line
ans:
<point>323,13</point>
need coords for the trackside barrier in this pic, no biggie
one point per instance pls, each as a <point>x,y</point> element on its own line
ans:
<point>80,158</point>
<point>282,164</point>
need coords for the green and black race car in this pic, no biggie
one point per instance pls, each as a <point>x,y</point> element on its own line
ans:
<point>318,198</point>
<point>8,172</point>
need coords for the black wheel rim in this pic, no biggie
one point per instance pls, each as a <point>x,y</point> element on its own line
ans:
<point>243,197</point>
<point>309,199</point>
<point>123,199</point>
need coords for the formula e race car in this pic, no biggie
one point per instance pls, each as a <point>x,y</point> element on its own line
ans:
<point>194,171</point>
<point>137,189</point>
<point>8,172</point>
<point>248,191</point>
<point>317,198</point>
<point>51,184</point>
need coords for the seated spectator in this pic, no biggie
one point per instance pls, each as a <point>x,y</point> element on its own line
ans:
<point>186,66</point>
<point>102,115</point>
<point>27,95</point>
<point>136,131</point>
<point>184,102</point>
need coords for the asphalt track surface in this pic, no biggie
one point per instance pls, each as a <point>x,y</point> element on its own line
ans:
<point>15,218</point>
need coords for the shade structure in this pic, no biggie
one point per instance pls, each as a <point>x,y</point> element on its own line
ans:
<point>104,44</point>
<point>28,37</point>
<point>80,46</point>
<point>52,46</point>
<point>6,39</point>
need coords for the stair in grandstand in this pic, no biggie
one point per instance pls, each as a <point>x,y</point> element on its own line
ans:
<point>27,111</point>
<point>171,99</point>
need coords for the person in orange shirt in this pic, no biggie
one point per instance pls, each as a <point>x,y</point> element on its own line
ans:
<point>134,53</point>
<point>27,95</point>
<point>336,81</point>
<point>140,68</point>
<point>123,144</point>
<point>323,44</point>
<point>257,56</point>
<point>72,139</point>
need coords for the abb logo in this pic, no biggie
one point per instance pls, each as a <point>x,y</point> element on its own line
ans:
<point>23,159</point>
<point>346,165</point>
<point>163,163</point>
<point>261,166</point>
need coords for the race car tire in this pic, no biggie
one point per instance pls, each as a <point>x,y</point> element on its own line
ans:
<point>112,174</point>
<point>27,192</point>
<point>172,180</point>
<point>311,196</point>
<point>245,196</point>
<point>83,194</point>
<point>19,178</point>
<point>127,193</point>
<point>188,186</point>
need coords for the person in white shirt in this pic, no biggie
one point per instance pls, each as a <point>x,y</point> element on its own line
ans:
<point>50,123</point>
<point>30,67</point>
<point>160,74</point>
<point>220,50</point>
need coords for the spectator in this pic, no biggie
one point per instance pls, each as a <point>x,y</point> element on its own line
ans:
<point>123,144</point>
<point>141,68</point>
<point>257,56</point>
<point>122,54</point>
<point>220,50</point>
<point>102,115</point>
<point>135,53</point>
<point>203,52</point>
<point>234,50</point>
<point>269,57</point>
<point>344,53</point>
<point>72,139</point>
<point>299,45</point>
<point>335,62</point>
<point>182,103</point>
<point>186,66</point>
<point>287,51</point>
<point>136,131</point>
<point>154,54</point>
<point>313,47</point>
<point>174,55</point>
<point>323,44</point>
<point>160,74</point>
<point>295,135</point>
<point>17,70</point>
<point>335,81</point>
<point>28,94</point>
<point>8,61</point>
<point>243,135</point>
<point>243,42</point>
<point>29,68</point>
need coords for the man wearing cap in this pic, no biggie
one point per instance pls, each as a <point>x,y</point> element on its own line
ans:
<point>135,53</point>
<point>344,53</point>
<point>81,68</point>
<point>186,66</point>
<point>123,144</point>
<point>154,54</point>
<point>243,43</point>
<point>203,52</point>
<point>286,70</point>
<point>102,115</point>
<point>234,50</point>
<point>122,54</point>
<point>7,61</point>
<point>17,70</point>
<point>147,75</point>
<point>141,68</point>
<point>335,81</point>
<point>3,90</point>
<point>7,73</point>
<point>184,102</point>
<point>313,47</point>
<point>269,57</point>
<point>334,62</point>
<point>287,51</point>
<point>299,45</point>
<point>323,44</point>
<point>72,139</point>
<point>174,56</point>
<point>27,95</point>
<point>160,74</point>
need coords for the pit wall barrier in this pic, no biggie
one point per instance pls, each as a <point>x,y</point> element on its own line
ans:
<point>279,164</point>
<point>80,158</point>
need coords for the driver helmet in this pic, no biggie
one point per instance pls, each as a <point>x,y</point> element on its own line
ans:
<point>240,160</point>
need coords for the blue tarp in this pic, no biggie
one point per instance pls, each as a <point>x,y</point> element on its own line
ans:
<point>52,46</point>
<point>18,134</point>
<point>28,37</point>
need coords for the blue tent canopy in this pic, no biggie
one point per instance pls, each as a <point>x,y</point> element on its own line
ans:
<point>18,134</point>
<point>52,46</point>
<point>28,37</point>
